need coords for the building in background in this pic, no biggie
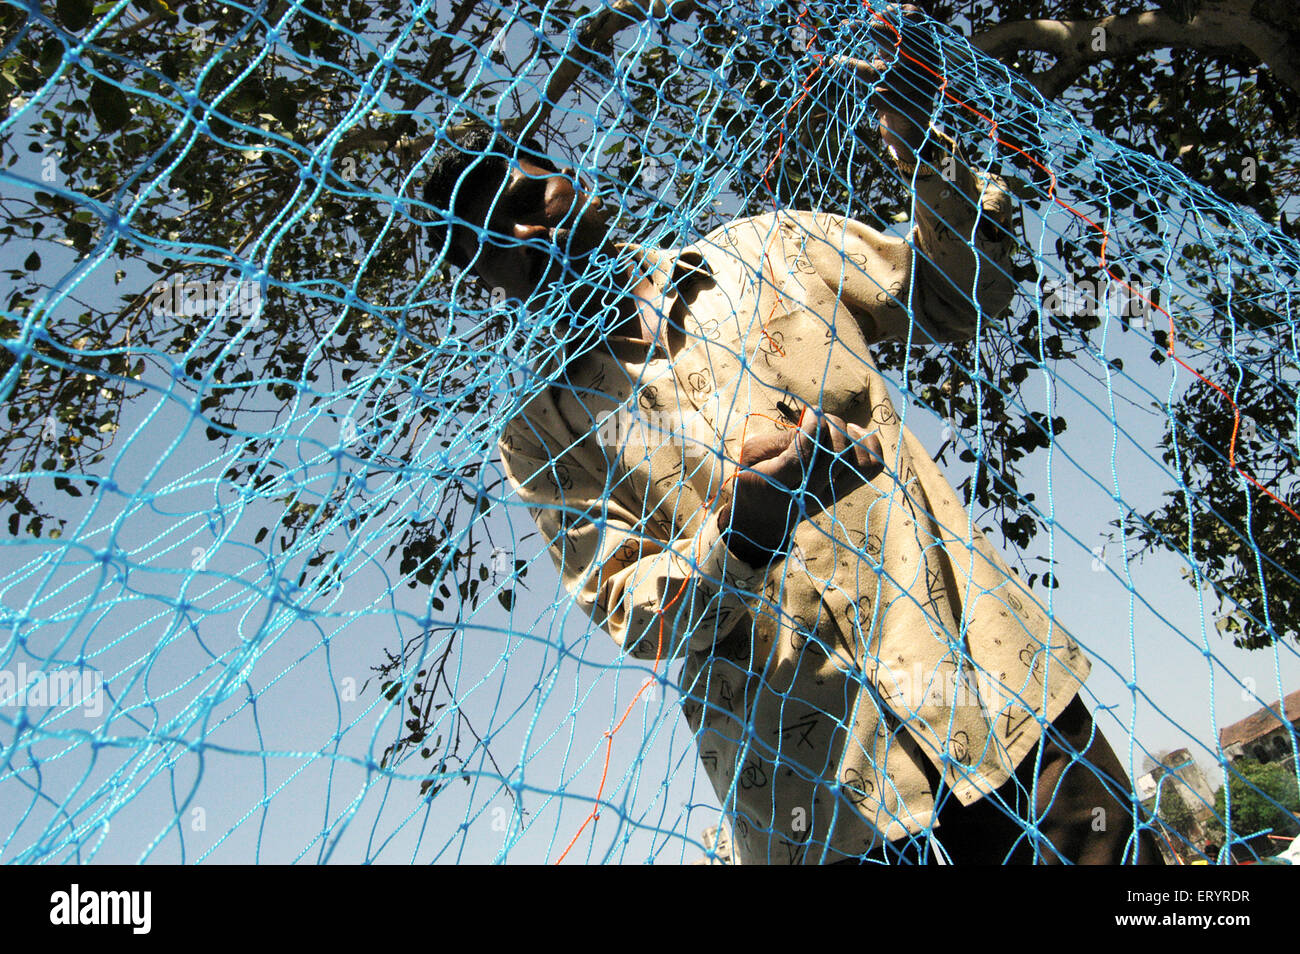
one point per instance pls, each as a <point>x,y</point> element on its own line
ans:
<point>1265,736</point>
<point>718,841</point>
<point>1175,790</point>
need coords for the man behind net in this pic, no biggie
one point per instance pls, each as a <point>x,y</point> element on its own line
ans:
<point>722,478</point>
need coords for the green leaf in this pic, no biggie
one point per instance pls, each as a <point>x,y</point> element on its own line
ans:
<point>50,57</point>
<point>110,105</point>
<point>79,233</point>
<point>33,263</point>
<point>281,102</point>
<point>75,14</point>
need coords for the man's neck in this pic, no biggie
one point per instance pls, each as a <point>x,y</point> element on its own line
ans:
<point>633,297</point>
<point>636,318</point>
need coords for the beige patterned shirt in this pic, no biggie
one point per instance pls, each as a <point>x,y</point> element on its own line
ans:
<point>892,632</point>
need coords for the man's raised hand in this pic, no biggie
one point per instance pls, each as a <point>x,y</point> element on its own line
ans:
<point>907,77</point>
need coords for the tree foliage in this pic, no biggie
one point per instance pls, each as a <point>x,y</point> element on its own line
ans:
<point>1172,810</point>
<point>1264,798</point>
<point>1216,114</point>
<point>284,147</point>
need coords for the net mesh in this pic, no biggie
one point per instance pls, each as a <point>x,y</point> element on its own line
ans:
<point>268,591</point>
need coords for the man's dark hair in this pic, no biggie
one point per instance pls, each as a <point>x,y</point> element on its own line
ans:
<point>452,163</point>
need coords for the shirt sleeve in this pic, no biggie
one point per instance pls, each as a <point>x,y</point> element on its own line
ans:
<point>951,270</point>
<point>657,594</point>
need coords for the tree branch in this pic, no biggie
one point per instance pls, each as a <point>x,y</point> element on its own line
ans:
<point>594,40</point>
<point>1268,30</point>
<point>440,55</point>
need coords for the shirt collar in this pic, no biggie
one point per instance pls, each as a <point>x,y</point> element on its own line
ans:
<point>669,269</point>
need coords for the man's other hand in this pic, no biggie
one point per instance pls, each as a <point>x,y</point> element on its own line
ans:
<point>822,457</point>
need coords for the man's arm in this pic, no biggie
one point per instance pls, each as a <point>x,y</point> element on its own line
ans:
<point>655,597</point>
<point>954,267</point>
<point>952,272</point>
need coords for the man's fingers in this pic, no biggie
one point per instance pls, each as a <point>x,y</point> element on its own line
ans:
<point>764,447</point>
<point>842,449</point>
<point>810,456</point>
<point>807,438</point>
<point>868,71</point>
<point>905,66</point>
<point>822,441</point>
<point>868,453</point>
<point>857,452</point>
<point>835,435</point>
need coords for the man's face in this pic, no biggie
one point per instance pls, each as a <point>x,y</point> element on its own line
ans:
<point>540,224</point>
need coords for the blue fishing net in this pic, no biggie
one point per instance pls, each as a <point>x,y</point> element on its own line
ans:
<point>269,592</point>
